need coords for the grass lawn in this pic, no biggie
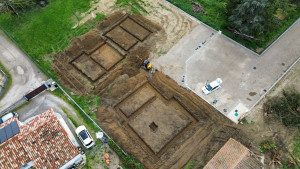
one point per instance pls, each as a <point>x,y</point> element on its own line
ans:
<point>44,31</point>
<point>216,18</point>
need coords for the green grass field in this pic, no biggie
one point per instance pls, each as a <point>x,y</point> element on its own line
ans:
<point>216,18</point>
<point>45,31</point>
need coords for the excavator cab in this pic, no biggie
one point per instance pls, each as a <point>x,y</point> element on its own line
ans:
<point>147,64</point>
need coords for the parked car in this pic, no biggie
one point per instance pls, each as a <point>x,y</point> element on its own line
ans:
<point>84,136</point>
<point>211,87</point>
<point>7,117</point>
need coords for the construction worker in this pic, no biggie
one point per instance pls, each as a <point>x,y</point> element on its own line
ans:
<point>106,155</point>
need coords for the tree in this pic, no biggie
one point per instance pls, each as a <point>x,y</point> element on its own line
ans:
<point>248,17</point>
<point>13,6</point>
<point>231,4</point>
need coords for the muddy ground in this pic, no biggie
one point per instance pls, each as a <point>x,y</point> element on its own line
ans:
<point>162,124</point>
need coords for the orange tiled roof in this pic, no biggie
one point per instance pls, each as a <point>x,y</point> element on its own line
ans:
<point>42,141</point>
<point>233,155</point>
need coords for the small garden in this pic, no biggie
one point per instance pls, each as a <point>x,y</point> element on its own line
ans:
<point>253,23</point>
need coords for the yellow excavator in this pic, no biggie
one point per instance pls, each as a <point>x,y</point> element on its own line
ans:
<point>145,63</point>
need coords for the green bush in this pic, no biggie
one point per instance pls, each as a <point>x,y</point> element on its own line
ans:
<point>285,107</point>
<point>266,146</point>
<point>190,165</point>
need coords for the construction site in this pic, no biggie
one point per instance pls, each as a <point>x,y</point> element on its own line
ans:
<point>155,83</point>
<point>146,112</point>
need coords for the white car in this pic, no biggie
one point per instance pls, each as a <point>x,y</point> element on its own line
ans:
<point>7,117</point>
<point>85,137</point>
<point>211,87</point>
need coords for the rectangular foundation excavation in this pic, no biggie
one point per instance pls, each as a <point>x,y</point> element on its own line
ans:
<point>135,29</point>
<point>122,38</point>
<point>88,67</point>
<point>137,100</point>
<point>106,56</point>
<point>158,123</point>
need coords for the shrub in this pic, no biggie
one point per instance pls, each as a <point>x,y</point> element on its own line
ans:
<point>285,107</point>
<point>266,146</point>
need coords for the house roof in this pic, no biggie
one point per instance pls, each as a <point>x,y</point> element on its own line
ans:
<point>233,155</point>
<point>41,140</point>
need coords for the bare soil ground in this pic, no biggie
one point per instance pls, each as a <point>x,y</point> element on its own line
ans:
<point>149,115</point>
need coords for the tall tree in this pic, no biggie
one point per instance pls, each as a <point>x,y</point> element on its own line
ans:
<point>13,6</point>
<point>248,17</point>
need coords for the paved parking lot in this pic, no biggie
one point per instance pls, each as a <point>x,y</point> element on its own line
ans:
<point>246,76</point>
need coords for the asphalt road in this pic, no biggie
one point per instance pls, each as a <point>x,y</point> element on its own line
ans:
<point>25,75</point>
